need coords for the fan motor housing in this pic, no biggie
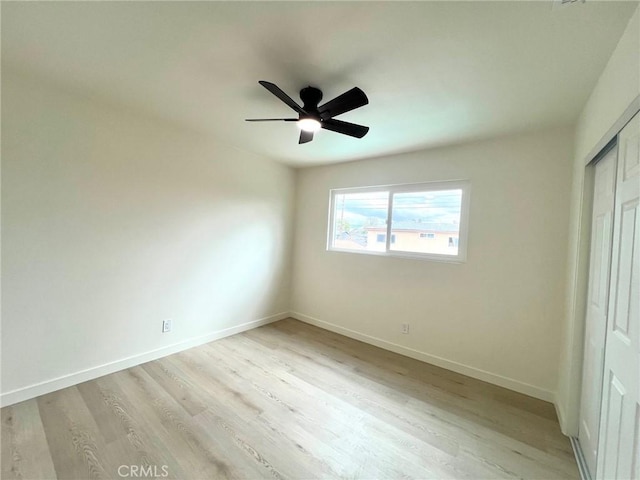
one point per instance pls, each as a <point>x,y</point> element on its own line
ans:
<point>311,97</point>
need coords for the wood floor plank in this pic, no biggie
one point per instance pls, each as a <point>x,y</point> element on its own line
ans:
<point>99,405</point>
<point>178,433</point>
<point>286,400</point>
<point>176,384</point>
<point>268,413</point>
<point>25,453</point>
<point>142,445</point>
<point>74,440</point>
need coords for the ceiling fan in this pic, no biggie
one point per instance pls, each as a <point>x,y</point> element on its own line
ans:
<point>312,117</point>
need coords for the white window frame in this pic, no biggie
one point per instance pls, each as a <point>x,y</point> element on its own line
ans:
<point>463,234</point>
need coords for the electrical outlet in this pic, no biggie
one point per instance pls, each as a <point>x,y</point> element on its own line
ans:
<point>166,326</point>
<point>405,328</point>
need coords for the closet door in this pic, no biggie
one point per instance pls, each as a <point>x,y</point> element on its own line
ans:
<point>619,446</point>
<point>596,317</point>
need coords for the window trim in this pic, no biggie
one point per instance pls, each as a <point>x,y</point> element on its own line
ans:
<point>463,233</point>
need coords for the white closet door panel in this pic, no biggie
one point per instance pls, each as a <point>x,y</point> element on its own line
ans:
<point>601,238</point>
<point>619,448</point>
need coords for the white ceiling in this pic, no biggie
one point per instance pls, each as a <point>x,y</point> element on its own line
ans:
<point>434,72</point>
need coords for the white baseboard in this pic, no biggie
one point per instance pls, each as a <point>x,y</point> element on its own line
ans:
<point>473,372</point>
<point>48,386</point>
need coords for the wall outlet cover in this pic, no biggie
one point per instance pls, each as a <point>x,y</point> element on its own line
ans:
<point>166,326</point>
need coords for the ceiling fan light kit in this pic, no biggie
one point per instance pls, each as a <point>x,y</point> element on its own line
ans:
<point>312,117</point>
<point>309,124</point>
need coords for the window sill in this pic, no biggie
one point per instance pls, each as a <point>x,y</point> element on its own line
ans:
<point>406,255</point>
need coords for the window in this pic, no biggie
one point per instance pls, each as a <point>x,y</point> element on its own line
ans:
<point>423,220</point>
<point>382,238</point>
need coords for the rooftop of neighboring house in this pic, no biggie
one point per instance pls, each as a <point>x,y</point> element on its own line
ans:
<point>418,227</point>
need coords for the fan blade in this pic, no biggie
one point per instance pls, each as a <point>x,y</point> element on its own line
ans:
<point>273,88</point>
<point>346,128</point>
<point>350,100</point>
<point>271,119</point>
<point>305,136</point>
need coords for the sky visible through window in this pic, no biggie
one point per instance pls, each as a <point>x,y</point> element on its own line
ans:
<point>442,206</point>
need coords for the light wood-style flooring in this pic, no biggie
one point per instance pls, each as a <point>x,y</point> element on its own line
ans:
<point>286,400</point>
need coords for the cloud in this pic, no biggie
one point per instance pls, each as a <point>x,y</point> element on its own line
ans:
<point>441,206</point>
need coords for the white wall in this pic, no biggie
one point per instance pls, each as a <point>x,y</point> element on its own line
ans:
<point>615,95</point>
<point>112,222</point>
<point>617,87</point>
<point>498,315</point>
